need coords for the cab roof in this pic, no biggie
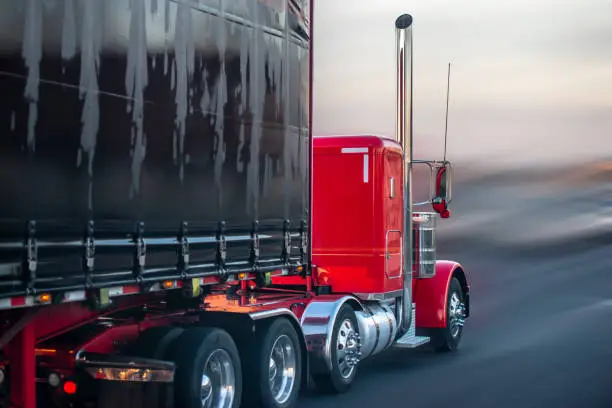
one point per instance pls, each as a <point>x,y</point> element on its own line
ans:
<point>355,141</point>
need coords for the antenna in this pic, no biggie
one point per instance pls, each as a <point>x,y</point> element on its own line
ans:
<point>447,96</point>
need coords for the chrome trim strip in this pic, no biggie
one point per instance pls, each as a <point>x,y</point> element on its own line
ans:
<point>380,296</point>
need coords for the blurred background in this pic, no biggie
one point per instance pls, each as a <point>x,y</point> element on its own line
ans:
<point>530,109</point>
<point>530,135</point>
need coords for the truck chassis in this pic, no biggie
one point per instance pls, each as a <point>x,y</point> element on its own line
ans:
<point>266,341</point>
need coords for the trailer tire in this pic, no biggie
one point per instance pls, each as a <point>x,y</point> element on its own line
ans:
<point>448,338</point>
<point>155,342</point>
<point>335,381</point>
<point>261,361</point>
<point>199,353</point>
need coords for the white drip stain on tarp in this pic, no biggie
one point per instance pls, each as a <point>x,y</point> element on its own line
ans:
<point>212,94</point>
<point>136,80</point>
<point>268,174</point>
<point>245,37</point>
<point>241,141</point>
<point>296,139</point>
<point>304,131</point>
<point>173,86</point>
<point>207,96</point>
<point>91,37</point>
<point>288,135</point>
<point>68,32</point>
<point>303,164</point>
<point>245,43</point>
<point>183,67</point>
<point>32,54</point>
<point>220,147</point>
<point>166,32</point>
<point>276,48</point>
<point>257,93</point>
<point>211,31</point>
<point>218,101</point>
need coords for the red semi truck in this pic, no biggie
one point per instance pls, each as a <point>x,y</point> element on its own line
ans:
<point>170,232</point>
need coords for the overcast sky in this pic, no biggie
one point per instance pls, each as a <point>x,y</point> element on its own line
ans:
<point>531,80</point>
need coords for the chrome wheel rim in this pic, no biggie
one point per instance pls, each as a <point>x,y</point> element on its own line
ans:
<point>282,369</point>
<point>455,313</point>
<point>347,349</point>
<point>218,383</point>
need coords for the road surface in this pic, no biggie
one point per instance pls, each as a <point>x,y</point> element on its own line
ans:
<point>540,335</point>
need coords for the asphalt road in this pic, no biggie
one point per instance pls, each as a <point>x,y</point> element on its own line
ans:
<point>540,335</point>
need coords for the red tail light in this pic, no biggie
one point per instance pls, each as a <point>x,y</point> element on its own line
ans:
<point>70,387</point>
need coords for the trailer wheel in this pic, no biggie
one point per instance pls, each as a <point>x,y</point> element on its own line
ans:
<point>344,354</point>
<point>273,366</point>
<point>208,371</point>
<point>448,338</point>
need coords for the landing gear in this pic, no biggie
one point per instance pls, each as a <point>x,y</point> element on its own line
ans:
<point>273,366</point>
<point>345,354</point>
<point>448,338</point>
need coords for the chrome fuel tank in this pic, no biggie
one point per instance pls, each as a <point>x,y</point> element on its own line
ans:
<point>377,328</point>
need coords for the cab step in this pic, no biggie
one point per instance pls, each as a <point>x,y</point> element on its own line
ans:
<point>410,339</point>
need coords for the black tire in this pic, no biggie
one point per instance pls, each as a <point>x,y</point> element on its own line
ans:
<point>191,352</point>
<point>154,342</point>
<point>256,361</point>
<point>445,339</point>
<point>333,382</point>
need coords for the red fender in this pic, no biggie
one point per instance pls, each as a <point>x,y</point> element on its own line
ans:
<point>430,294</point>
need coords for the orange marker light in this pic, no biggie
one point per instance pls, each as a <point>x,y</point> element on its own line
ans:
<point>70,387</point>
<point>168,284</point>
<point>44,298</point>
<point>241,275</point>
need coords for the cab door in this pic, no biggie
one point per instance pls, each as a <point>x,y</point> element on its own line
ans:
<point>392,214</point>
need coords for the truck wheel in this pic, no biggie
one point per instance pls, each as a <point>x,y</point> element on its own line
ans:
<point>448,338</point>
<point>344,354</point>
<point>208,371</point>
<point>154,342</point>
<point>273,366</point>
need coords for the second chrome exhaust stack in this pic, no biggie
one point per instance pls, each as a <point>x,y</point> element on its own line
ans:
<point>403,135</point>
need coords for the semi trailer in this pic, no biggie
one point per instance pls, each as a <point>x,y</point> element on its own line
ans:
<point>171,233</point>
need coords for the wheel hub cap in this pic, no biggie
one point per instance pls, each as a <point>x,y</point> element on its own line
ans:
<point>456,310</point>
<point>218,383</point>
<point>347,348</point>
<point>282,369</point>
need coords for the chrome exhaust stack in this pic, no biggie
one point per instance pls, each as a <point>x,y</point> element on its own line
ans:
<point>403,135</point>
